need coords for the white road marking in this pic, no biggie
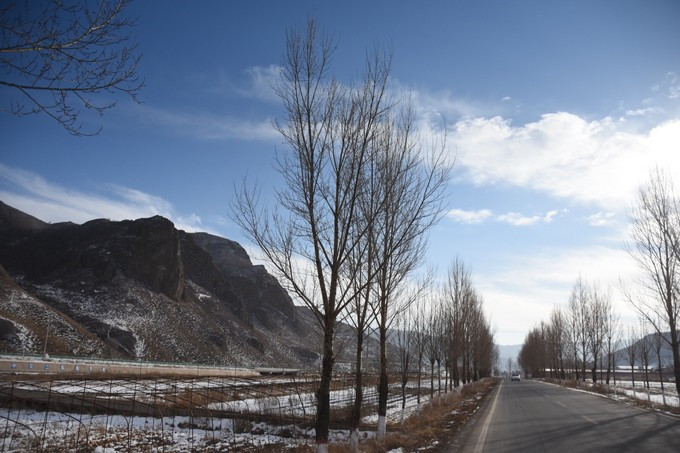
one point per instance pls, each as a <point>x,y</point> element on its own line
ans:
<point>479,447</point>
<point>589,419</point>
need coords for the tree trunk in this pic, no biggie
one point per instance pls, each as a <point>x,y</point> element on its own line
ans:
<point>646,376</point>
<point>403,399</point>
<point>583,363</point>
<point>676,356</point>
<point>464,369</point>
<point>431,379</point>
<point>658,357</point>
<point>456,377</point>
<point>609,364</point>
<point>576,365</point>
<point>420,368</point>
<point>323,394</point>
<point>355,416</point>
<point>382,386</point>
<point>439,376</point>
<point>632,378</point>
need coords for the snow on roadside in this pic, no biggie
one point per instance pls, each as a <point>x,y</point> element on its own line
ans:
<point>638,392</point>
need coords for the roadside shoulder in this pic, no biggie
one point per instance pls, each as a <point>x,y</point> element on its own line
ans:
<point>616,398</point>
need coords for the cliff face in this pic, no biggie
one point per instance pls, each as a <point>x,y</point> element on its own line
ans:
<point>141,288</point>
<point>146,250</point>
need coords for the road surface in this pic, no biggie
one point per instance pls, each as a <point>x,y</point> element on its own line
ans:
<point>531,416</point>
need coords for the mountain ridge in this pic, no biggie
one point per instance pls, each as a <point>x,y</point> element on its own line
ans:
<point>142,288</point>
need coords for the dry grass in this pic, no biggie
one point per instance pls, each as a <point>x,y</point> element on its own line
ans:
<point>432,428</point>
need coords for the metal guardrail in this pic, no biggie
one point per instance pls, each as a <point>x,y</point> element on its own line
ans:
<point>35,364</point>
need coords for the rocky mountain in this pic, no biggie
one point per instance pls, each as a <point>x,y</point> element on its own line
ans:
<point>142,288</point>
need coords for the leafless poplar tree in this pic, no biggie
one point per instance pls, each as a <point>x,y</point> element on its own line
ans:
<point>310,238</point>
<point>457,290</point>
<point>404,328</point>
<point>579,314</point>
<point>611,338</point>
<point>558,339</point>
<point>532,356</point>
<point>419,339</point>
<point>631,346</point>
<point>598,303</point>
<point>485,351</point>
<point>658,343</point>
<point>655,223</point>
<point>363,267</point>
<point>58,56</point>
<point>433,342</point>
<point>645,348</point>
<point>413,183</point>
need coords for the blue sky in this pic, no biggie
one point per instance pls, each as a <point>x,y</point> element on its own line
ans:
<point>556,112</point>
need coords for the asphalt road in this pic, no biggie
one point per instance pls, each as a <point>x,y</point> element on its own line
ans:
<point>531,416</point>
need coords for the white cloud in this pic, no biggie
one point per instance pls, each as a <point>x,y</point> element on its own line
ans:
<point>212,127</point>
<point>643,112</point>
<point>434,106</point>
<point>51,202</point>
<point>602,219</point>
<point>669,87</point>
<point>470,217</point>
<point>517,219</point>
<point>598,162</point>
<point>524,289</point>
<point>262,80</point>
<point>550,215</point>
<point>254,83</point>
<point>512,218</point>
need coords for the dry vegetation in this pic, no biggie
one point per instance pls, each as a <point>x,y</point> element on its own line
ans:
<point>432,429</point>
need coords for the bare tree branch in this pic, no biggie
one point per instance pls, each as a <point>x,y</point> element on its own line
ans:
<point>61,57</point>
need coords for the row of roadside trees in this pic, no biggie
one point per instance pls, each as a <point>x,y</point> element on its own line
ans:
<point>578,338</point>
<point>350,227</point>
<point>587,333</point>
<point>449,333</point>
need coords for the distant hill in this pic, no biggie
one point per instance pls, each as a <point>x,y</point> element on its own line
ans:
<point>142,288</point>
<point>622,356</point>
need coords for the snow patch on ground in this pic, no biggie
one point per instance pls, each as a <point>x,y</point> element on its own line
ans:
<point>27,428</point>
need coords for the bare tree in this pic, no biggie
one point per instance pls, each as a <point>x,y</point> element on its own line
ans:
<point>457,289</point>
<point>58,56</point>
<point>433,343</point>
<point>610,325</point>
<point>413,183</point>
<point>532,356</point>
<point>404,343</point>
<point>656,231</point>
<point>658,343</point>
<point>558,338</point>
<point>579,314</point>
<point>598,303</point>
<point>363,267</point>
<point>485,352</point>
<point>419,339</point>
<point>632,347</point>
<point>645,347</point>
<point>310,238</point>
